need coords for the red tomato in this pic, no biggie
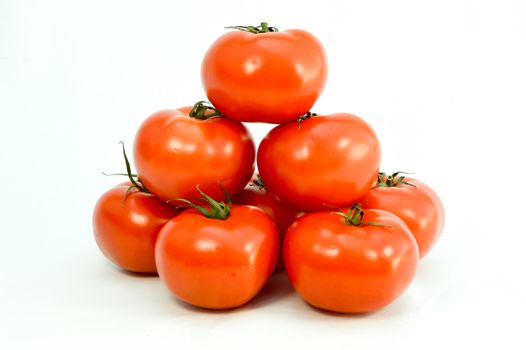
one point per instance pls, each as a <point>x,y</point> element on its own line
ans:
<point>412,201</point>
<point>256,194</point>
<point>350,268</point>
<point>175,152</point>
<point>260,75</point>
<point>217,263</point>
<point>126,226</point>
<point>322,163</point>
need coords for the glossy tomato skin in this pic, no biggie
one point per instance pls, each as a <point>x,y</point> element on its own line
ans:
<point>174,153</point>
<point>283,216</point>
<point>419,207</point>
<point>268,77</point>
<point>217,264</point>
<point>126,229</point>
<point>326,162</point>
<point>350,269</point>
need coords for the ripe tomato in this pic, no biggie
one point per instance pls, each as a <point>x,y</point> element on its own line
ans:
<point>257,195</point>
<point>349,264</point>
<point>257,74</point>
<point>175,152</point>
<point>412,201</point>
<point>217,258</point>
<point>126,225</point>
<point>322,163</point>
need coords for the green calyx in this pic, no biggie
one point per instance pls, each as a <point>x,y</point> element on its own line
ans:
<point>354,217</point>
<point>305,117</point>
<point>203,110</point>
<point>137,184</point>
<point>263,28</point>
<point>217,210</point>
<point>393,180</point>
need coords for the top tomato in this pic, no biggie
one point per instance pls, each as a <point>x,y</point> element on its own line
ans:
<point>256,74</point>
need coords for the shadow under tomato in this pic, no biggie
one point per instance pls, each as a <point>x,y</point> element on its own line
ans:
<point>189,307</point>
<point>134,274</point>
<point>338,314</point>
<point>398,308</point>
<point>278,287</point>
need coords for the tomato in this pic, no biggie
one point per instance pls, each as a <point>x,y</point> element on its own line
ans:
<point>256,194</point>
<point>257,74</point>
<point>175,152</point>
<point>414,202</point>
<point>350,264</point>
<point>217,257</point>
<point>126,225</point>
<point>324,162</point>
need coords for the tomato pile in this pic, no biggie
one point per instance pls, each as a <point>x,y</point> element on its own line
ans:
<point>349,237</point>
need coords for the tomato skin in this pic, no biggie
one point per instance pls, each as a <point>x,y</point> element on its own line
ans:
<point>325,162</point>
<point>217,264</point>
<point>419,207</point>
<point>174,153</point>
<point>283,216</point>
<point>350,269</point>
<point>126,230</point>
<point>268,77</point>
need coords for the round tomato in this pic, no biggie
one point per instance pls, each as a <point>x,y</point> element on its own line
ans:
<point>257,74</point>
<point>412,201</point>
<point>126,223</point>
<point>320,163</point>
<point>353,264</point>
<point>217,257</point>
<point>257,195</point>
<point>176,150</point>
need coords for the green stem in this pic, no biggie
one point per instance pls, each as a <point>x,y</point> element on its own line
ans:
<point>355,215</point>
<point>263,28</point>
<point>392,180</point>
<point>305,117</point>
<point>203,110</point>
<point>217,210</point>
<point>118,174</point>
<point>135,183</point>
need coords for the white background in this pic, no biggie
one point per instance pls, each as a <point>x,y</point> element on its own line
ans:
<point>443,83</point>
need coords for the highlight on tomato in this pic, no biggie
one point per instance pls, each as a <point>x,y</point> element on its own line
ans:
<point>259,74</point>
<point>353,261</point>
<point>412,201</point>
<point>256,194</point>
<point>321,162</point>
<point>126,222</point>
<point>217,256</point>
<point>176,150</point>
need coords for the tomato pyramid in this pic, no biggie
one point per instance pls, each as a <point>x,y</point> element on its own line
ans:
<point>349,236</point>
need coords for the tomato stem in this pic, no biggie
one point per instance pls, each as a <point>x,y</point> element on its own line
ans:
<point>392,180</point>
<point>354,217</point>
<point>134,178</point>
<point>305,117</point>
<point>203,110</point>
<point>217,210</point>
<point>263,28</point>
<point>118,174</point>
<point>135,183</point>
